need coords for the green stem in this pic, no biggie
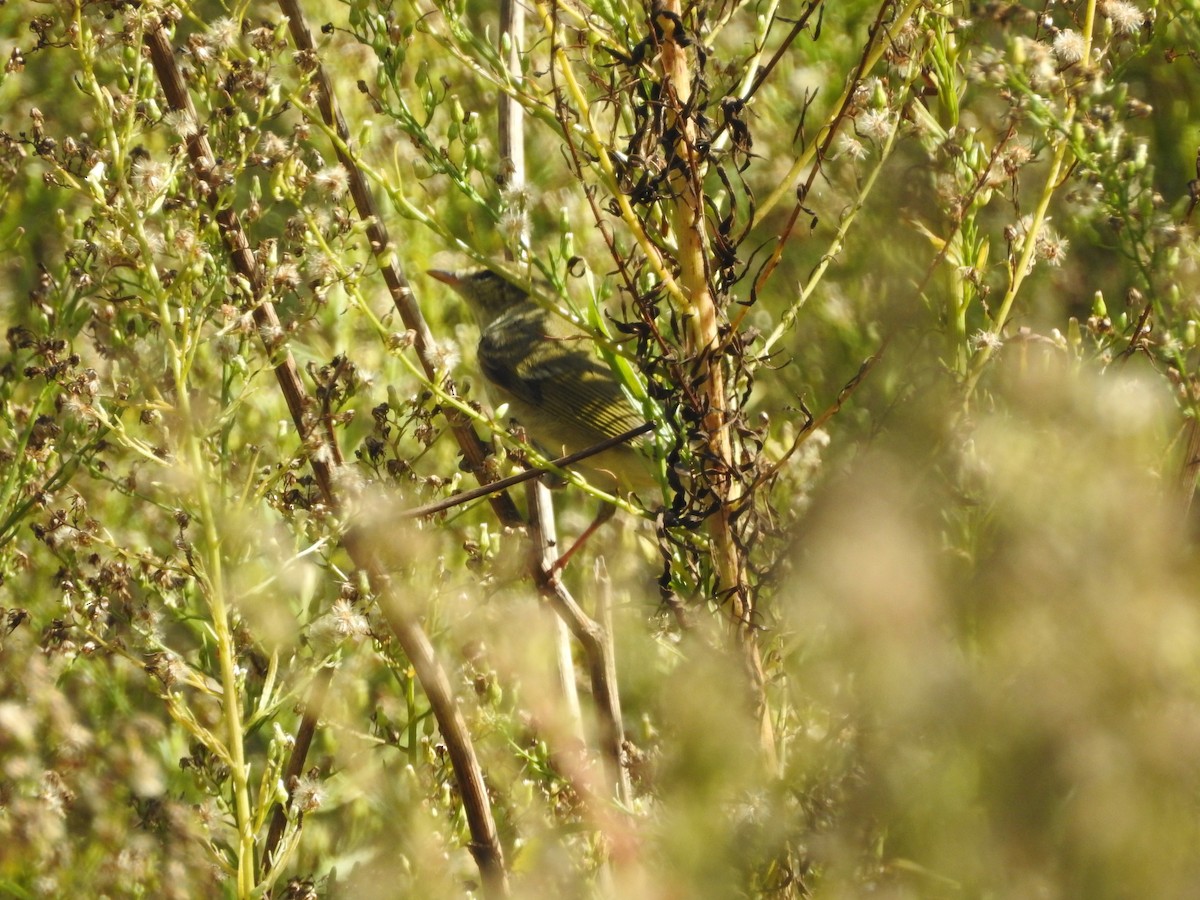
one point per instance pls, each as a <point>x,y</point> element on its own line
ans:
<point>787,183</point>
<point>211,580</point>
<point>1019,271</point>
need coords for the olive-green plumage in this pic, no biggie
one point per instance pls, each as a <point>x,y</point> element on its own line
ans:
<point>549,374</point>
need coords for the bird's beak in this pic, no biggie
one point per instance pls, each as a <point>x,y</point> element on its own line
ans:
<point>445,277</point>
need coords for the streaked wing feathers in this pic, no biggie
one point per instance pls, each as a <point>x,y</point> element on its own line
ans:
<point>552,368</point>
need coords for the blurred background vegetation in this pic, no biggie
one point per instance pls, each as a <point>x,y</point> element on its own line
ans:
<point>975,570</point>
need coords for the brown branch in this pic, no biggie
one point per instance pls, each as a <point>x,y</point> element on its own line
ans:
<point>798,26</point>
<point>1140,331</point>
<point>485,846</point>
<point>313,705</point>
<point>818,421</point>
<point>602,674</point>
<point>764,72</point>
<point>472,448</point>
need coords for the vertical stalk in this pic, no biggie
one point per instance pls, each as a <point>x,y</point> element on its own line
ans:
<point>541,504</point>
<point>703,345</point>
<point>512,113</point>
<point>211,579</point>
<point>1019,269</point>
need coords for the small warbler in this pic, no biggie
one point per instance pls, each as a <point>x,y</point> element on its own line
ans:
<point>549,374</point>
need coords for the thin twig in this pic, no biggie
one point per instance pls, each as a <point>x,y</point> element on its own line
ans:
<point>872,54</point>
<point>563,462</point>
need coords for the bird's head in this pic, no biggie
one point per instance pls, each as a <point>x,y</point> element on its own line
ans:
<point>489,295</point>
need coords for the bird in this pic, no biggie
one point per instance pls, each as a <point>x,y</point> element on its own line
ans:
<point>548,372</point>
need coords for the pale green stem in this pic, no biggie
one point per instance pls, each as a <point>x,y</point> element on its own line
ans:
<point>751,70</point>
<point>787,184</point>
<point>212,581</point>
<point>835,246</point>
<point>1019,271</point>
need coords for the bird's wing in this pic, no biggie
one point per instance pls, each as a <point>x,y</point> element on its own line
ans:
<point>554,369</point>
